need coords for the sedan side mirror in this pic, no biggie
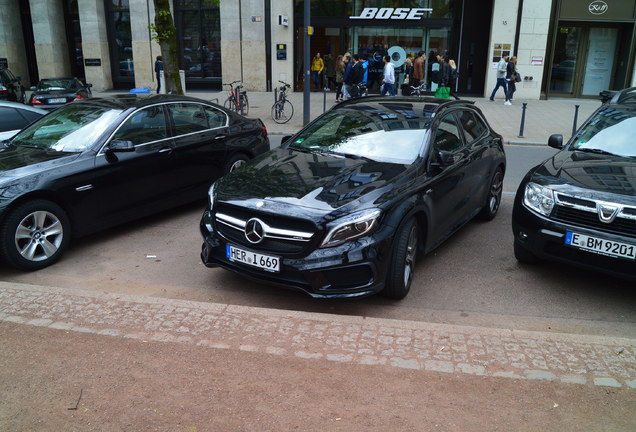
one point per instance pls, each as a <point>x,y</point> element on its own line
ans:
<point>556,141</point>
<point>120,146</point>
<point>89,85</point>
<point>445,159</point>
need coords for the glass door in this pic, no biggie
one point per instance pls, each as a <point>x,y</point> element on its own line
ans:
<point>601,51</point>
<point>567,52</point>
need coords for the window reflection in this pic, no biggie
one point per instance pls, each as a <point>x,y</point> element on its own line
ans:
<point>200,39</point>
<point>122,53</point>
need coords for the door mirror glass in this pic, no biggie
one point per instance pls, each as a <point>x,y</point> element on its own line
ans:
<point>120,146</point>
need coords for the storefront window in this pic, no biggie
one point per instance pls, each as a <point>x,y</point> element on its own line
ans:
<point>121,51</point>
<point>199,26</point>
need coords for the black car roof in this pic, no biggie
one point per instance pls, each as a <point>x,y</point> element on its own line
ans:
<point>128,101</point>
<point>429,105</point>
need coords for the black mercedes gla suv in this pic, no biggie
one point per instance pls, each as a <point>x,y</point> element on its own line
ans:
<point>579,207</point>
<point>343,207</point>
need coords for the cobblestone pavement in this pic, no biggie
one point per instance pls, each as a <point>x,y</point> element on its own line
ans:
<point>568,358</point>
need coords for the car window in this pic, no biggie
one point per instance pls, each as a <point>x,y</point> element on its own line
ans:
<point>473,127</point>
<point>447,135</point>
<point>30,116</point>
<point>144,126</point>
<point>611,130</point>
<point>10,119</point>
<point>188,118</point>
<point>381,133</point>
<point>216,118</point>
<point>73,128</point>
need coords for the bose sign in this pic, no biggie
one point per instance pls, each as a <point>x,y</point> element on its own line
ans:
<point>392,13</point>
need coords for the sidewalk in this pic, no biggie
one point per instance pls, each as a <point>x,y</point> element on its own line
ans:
<point>80,360</point>
<point>543,118</point>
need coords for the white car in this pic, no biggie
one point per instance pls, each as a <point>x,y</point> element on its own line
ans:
<point>16,116</point>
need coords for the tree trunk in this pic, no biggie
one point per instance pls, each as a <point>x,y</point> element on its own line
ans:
<point>166,35</point>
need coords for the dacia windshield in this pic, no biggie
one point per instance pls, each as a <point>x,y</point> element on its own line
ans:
<point>610,131</point>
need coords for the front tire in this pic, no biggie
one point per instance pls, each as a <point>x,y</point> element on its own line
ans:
<point>493,199</point>
<point>282,111</point>
<point>402,261</point>
<point>34,235</point>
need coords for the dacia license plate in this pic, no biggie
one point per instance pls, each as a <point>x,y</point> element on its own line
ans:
<point>57,100</point>
<point>601,246</point>
<point>264,262</point>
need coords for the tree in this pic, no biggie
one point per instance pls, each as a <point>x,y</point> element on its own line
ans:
<point>166,34</point>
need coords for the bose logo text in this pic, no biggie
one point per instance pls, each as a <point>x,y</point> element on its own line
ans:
<point>392,13</point>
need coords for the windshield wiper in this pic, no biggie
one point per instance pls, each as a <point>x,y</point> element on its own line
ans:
<point>346,155</point>
<point>33,146</point>
<point>596,151</point>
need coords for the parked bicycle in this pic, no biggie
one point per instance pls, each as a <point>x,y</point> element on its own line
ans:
<point>237,99</point>
<point>282,110</point>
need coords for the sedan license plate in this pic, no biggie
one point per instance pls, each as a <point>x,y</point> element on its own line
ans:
<point>57,100</point>
<point>264,262</point>
<point>601,246</point>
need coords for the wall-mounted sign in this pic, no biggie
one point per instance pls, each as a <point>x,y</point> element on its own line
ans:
<point>4,62</point>
<point>536,61</point>
<point>257,18</point>
<point>597,9</point>
<point>500,50</point>
<point>92,62</point>
<point>281,51</point>
<point>392,13</point>
<point>283,20</point>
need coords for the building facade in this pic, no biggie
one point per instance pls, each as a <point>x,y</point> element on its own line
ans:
<point>564,48</point>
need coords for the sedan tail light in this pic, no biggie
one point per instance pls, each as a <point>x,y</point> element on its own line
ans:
<point>3,90</point>
<point>78,97</point>
<point>35,101</point>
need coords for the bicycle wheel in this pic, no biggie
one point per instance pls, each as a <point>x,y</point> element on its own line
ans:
<point>282,111</point>
<point>229,104</point>
<point>245,104</point>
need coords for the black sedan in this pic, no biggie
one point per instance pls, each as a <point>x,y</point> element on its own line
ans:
<point>579,207</point>
<point>344,206</point>
<point>51,93</point>
<point>93,164</point>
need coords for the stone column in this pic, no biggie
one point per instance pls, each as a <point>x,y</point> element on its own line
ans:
<point>243,43</point>
<point>11,40</point>
<point>144,48</point>
<point>51,49</point>
<point>95,43</point>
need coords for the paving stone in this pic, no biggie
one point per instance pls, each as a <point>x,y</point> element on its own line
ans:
<point>434,348</point>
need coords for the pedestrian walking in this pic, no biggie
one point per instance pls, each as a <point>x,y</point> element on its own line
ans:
<point>512,77</point>
<point>317,67</point>
<point>330,72</point>
<point>501,78</point>
<point>388,77</point>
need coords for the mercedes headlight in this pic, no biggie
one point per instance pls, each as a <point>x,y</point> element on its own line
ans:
<point>539,198</point>
<point>212,195</point>
<point>351,227</point>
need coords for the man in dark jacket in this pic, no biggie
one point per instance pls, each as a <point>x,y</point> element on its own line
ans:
<point>356,77</point>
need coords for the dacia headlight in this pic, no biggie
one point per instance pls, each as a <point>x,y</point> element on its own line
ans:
<point>351,227</point>
<point>539,198</point>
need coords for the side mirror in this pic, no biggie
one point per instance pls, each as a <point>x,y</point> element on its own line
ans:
<point>556,141</point>
<point>285,139</point>
<point>120,146</point>
<point>89,85</point>
<point>445,158</point>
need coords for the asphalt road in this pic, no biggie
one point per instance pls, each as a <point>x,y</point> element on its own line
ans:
<point>472,279</point>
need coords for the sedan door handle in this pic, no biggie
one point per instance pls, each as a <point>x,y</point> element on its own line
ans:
<point>220,137</point>
<point>166,150</point>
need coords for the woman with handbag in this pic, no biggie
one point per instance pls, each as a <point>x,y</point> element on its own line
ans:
<point>512,76</point>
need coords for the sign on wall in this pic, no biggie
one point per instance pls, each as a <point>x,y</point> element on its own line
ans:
<point>597,9</point>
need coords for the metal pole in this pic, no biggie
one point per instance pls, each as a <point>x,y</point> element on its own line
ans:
<point>324,99</point>
<point>523,119</point>
<point>576,116</point>
<point>307,59</point>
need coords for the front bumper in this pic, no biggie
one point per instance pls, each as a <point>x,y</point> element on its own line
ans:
<point>354,269</point>
<point>545,239</point>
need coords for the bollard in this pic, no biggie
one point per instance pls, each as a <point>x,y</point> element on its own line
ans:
<point>576,116</point>
<point>324,99</point>
<point>523,120</point>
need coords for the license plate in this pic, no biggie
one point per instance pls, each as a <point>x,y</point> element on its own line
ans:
<point>263,262</point>
<point>57,100</point>
<point>601,246</point>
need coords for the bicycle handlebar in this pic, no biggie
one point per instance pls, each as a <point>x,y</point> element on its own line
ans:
<point>232,83</point>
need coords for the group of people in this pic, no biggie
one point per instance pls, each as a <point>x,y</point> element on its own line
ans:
<point>507,78</point>
<point>442,71</point>
<point>348,72</point>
